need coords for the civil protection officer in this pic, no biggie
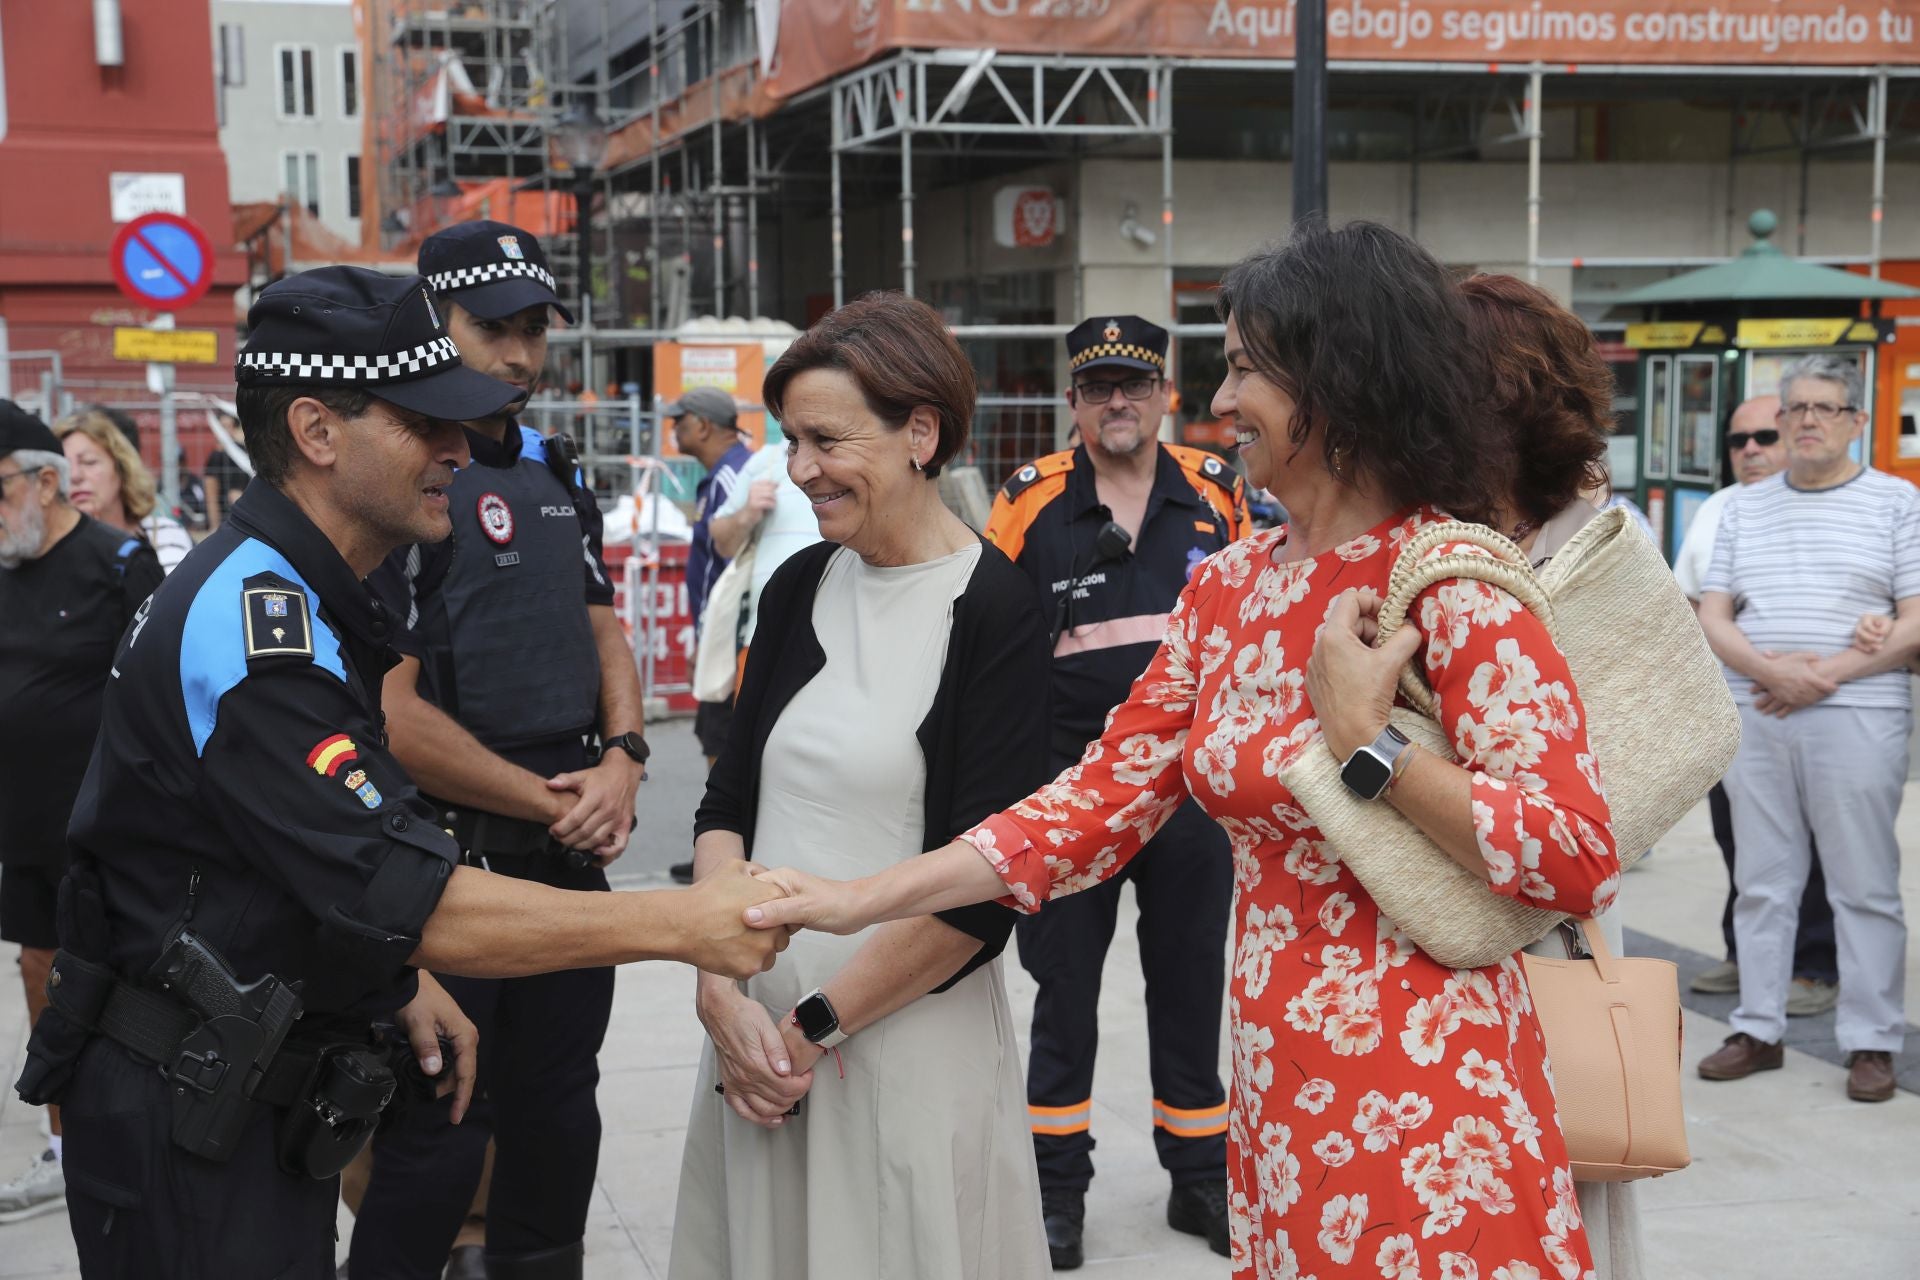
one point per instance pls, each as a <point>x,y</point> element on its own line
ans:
<point>255,878</point>
<point>1109,532</point>
<point>511,659</point>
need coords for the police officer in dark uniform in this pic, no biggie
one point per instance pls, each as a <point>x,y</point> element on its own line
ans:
<point>1109,532</point>
<point>511,661</point>
<point>254,876</point>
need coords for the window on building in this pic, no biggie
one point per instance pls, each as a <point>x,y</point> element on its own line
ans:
<point>296,81</point>
<point>301,170</point>
<point>353,186</point>
<point>350,83</point>
<point>233,54</point>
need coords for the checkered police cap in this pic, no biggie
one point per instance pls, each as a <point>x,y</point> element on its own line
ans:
<point>493,269</point>
<point>1126,342</point>
<point>362,329</point>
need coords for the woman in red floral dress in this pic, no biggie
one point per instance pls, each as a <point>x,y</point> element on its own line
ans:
<point>1390,1117</point>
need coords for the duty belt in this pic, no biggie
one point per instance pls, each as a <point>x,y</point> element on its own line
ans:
<point>482,835</point>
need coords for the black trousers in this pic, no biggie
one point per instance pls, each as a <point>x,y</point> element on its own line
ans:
<point>540,1041</point>
<point>1184,883</point>
<point>143,1209</point>
<point>1813,953</point>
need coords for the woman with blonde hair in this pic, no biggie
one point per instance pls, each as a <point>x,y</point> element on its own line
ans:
<point>111,483</point>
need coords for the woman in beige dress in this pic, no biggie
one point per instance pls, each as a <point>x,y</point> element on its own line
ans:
<point>860,1111</point>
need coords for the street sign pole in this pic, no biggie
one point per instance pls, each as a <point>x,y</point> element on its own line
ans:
<point>160,380</point>
<point>165,262</point>
<point>1310,111</point>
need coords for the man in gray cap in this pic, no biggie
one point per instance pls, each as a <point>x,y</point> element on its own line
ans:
<point>703,423</point>
<point>256,884</point>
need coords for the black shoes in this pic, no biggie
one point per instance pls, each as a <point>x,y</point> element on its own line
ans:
<point>1065,1215</point>
<point>1199,1209</point>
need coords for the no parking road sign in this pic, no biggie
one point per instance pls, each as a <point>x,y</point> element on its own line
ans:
<point>163,261</point>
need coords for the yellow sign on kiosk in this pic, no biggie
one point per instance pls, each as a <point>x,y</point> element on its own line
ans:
<point>1662,335</point>
<point>167,346</point>
<point>1791,333</point>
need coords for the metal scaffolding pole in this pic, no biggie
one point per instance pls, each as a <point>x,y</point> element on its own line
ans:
<point>714,182</point>
<point>653,197</point>
<point>906,210</point>
<point>753,221</point>
<point>1877,107</point>
<point>839,228</point>
<point>1535,121</point>
<point>1165,95</point>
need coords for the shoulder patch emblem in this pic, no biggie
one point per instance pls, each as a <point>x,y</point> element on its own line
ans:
<point>1034,472</point>
<point>496,519</point>
<point>277,624</point>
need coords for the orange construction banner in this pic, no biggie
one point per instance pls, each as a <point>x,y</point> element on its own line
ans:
<point>819,39</point>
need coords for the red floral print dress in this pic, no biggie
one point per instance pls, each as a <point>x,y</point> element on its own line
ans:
<point>1390,1117</point>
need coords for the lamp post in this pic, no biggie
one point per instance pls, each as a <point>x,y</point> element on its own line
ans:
<point>1310,111</point>
<point>580,137</point>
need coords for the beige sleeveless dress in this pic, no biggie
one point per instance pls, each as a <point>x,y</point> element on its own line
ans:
<point>918,1165</point>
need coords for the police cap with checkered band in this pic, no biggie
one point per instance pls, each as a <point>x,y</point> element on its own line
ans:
<point>365,331</point>
<point>1122,342</point>
<point>492,269</point>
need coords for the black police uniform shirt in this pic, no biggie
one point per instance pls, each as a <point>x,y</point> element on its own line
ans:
<point>494,612</point>
<point>242,767</point>
<point>1110,617</point>
<point>61,617</point>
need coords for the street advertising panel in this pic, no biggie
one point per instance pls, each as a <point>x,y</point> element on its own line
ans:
<point>735,368</point>
<point>838,35</point>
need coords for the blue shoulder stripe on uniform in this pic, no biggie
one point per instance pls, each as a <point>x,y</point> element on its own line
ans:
<point>533,446</point>
<point>127,548</point>
<point>213,644</point>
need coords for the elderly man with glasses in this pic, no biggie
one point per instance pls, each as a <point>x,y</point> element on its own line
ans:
<point>1108,532</point>
<point>68,587</point>
<point>1800,557</point>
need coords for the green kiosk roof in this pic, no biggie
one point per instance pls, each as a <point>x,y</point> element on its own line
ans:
<point>1763,272</point>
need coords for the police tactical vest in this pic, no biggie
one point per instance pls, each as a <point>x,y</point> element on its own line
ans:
<point>524,664</point>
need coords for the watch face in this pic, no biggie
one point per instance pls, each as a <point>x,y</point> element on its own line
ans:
<point>816,1017</point>
<point>1366,774</point>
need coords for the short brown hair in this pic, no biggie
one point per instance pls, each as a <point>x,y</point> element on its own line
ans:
<point>898,352</point>
<point>1548,387</point>
<point>138,494</point>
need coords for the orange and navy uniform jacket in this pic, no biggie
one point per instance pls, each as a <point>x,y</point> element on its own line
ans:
<point>1110,617</point>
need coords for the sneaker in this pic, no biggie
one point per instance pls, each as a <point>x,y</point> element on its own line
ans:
<point>1721,980</point>
<point>1200,1209</point>
<point>1810,996</point>
<point>41,1189</point>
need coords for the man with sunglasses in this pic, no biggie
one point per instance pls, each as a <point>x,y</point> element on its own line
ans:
<point>1757,450</point>
<point>1109,532</point>
<point>1800,557</point>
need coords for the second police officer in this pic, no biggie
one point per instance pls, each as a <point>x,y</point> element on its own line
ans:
<point>511,660</point>
<point>1109,533</point>
<point>255,878</point>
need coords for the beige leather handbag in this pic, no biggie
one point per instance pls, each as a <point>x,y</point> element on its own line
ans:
<point>1612,1026</point>
<point>1660,719</point>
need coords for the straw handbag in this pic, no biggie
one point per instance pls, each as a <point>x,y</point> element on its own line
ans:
<point>1612,1027</point>
<point>1660,720</point>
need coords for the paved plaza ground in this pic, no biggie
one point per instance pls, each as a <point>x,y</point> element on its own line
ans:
<point>1790,1180</point>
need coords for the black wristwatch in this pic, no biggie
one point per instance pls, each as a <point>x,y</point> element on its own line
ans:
<point>817,1021</point>
<point>1369,771</point>
<point>631,743</point>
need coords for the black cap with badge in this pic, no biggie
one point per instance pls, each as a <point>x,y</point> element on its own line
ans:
<point>363,330</point>
<point>492,269</point>
<point>1126,342</point>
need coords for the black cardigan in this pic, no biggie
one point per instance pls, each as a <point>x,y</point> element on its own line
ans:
<point>985,739</point>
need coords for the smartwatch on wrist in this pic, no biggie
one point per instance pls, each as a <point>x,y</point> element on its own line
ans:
<point>817,1021</point>
<point>1369,771</point>
<point>631,743</point>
